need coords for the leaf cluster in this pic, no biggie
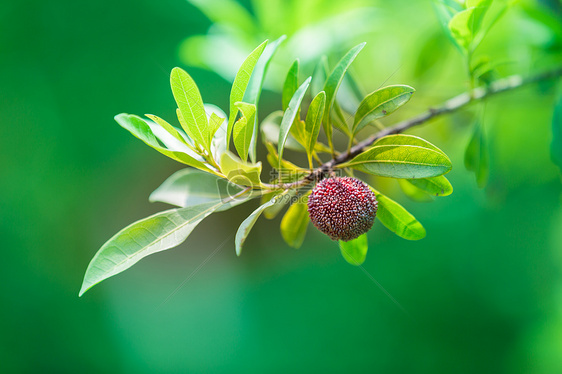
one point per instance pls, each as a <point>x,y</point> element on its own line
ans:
<point>223,172</point>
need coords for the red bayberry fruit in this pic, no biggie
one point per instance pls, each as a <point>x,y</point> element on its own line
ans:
<point>342,208</point>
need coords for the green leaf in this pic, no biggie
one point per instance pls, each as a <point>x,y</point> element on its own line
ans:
<point>240,172</point>
<point>314,121</point>
<point>156,233</point>
<point>289,116</point>
<point>294,224</point>
<point>215,123</point>
<point>354,91</point>
<point>273,159</point>
<point>402,156</point>
<point>189,187</point>
<point>291,84</point>
<point>381,103</point>
<point>436,186</point>
<point>272,211</point>
<point>190,104</point>
<point>298,130</point>
<point>240,84</point>
<point>397,219</point>
<point>483,70</point>
<point>253,91</point>
<point>445,10</point>
<point>243,129</point>
<point>173,139</point>
<point>139,128</point>
<point>319,76</point>
<point>413,192</point>
<point>401,139</point>
<point>466,24</point>
<point>480,9</point>
<point>169,128</point>
<point>249,222</point>
<point>556,145</point>
<point>339,120</point>
<point>476,156</point>
<point>218,140</point>
<point>460,29</point>
<point>332,84</point>
<point>270,132</point>
<point>355,251</point>
<point>321,148</point>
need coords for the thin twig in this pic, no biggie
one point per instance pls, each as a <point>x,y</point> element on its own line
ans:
<point>451,105</point>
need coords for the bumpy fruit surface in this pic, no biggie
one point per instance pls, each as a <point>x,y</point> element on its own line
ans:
<point>342,208</point>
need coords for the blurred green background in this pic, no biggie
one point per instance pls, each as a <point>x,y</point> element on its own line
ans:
<point>483,290</point>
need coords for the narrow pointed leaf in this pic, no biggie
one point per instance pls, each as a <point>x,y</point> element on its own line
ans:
<point>190,104</point>
<point>381,103</point>
<point>171,142</point>
<point>240,84</point>
<point>332,84</point>
<point>249,222</point>
<point>139,128</point>
<point>291,84</point>
<point>294,224</point>
<point>270,134</point>
<point>244,128</point>
<point>156,233</point>
<point>313,121</point>
<point>355,251</point>
<point>397,219</point>
<point>169,128</point>
<point>290,115</point>
<point>253,91</point>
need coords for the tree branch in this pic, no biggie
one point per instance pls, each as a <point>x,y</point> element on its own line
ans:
<point>451,105</point>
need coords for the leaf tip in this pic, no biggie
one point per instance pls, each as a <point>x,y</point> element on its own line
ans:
<point>83,290</point>
<point>119,116</point>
